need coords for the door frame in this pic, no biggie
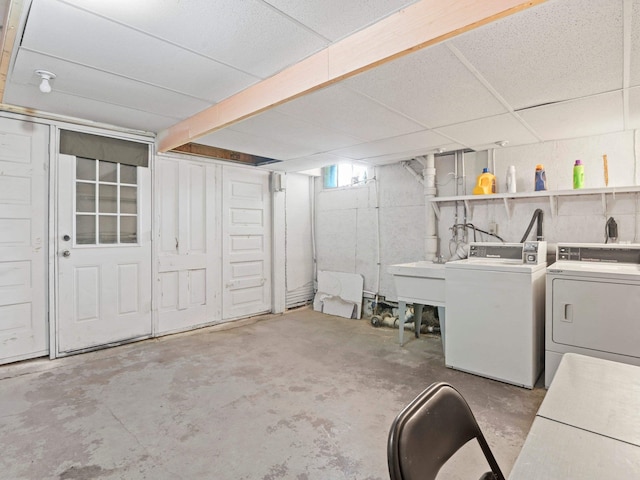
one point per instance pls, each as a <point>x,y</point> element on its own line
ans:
<point>54,235</point>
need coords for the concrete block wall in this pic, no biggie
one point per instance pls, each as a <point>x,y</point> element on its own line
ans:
<point>575,218</point>
<point>346,226</point>
<point>346,218</point>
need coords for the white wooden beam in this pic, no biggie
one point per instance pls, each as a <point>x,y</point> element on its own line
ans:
<point>10,24</point>
<point>419,25</point>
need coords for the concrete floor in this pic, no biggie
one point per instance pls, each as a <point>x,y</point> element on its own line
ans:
<point>298,396</point>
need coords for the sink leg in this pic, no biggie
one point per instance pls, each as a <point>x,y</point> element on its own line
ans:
<point>417,318</point>
<point>402,313</point>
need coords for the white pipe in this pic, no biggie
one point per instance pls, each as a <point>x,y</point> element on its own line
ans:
<point>431,237</point>
<point>413,173</point>
<point>375,182</point>
<point>312,195</point>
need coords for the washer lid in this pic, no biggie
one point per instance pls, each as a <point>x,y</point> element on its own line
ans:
<point>595,269</point>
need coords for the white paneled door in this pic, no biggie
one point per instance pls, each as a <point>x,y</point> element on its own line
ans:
<point>246,242</point>
<point>103,253</point>
<point>23,240</point>
<point>188,245</point>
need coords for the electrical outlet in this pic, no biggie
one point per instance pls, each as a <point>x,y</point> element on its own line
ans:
<point>493,228</point>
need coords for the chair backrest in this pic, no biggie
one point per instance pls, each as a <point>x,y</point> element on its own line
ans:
<point>429,431</point>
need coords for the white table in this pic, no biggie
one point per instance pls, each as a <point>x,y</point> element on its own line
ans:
<point>588,426</point>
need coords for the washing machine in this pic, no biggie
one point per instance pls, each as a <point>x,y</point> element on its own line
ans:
<point>593,304</point>
<point>495,312</point>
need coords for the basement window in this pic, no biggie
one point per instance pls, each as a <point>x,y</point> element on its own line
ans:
<point>344,175</point>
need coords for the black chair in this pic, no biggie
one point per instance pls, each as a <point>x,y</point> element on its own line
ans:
<point>426,434</point>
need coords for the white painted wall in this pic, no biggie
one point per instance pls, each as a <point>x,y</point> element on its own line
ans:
<point>578,219</point>
<point>346,218</point>
<point>346,226</point>
<point>299,246</point>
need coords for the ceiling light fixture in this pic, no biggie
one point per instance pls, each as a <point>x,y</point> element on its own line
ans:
<point>502,143</point>
<point>45,86</point>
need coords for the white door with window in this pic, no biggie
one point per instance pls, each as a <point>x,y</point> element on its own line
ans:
<point>23,240</point>
<point>103,253</point>
<point>246,242</point>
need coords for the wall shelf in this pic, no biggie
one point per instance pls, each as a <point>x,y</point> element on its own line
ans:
<point>552,195</point>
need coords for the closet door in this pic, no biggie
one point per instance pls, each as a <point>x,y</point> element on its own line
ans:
<point>246,242</point>
<point>23,240</point>
<point>188,246</point>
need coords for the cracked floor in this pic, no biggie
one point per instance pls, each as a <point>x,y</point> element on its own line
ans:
<point>296,396</point>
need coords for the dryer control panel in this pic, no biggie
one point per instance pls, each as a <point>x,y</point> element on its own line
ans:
<point>599,252</point>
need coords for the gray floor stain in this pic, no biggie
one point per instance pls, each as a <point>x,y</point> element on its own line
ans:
<point>83,473</point>
<point>300,396</point>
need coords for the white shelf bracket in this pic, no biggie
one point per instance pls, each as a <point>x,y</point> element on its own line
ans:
<point>553,205</point>
<point>507,207</point>
<point>436,209</point>
<point>469,208</point>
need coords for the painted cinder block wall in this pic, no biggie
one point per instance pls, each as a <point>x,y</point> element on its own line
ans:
<point>346,218</point>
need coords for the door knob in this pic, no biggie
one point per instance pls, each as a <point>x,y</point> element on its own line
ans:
<point>66,238</point>
<point>66,253</point>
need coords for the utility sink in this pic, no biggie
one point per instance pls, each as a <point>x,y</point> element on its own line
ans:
<point>419,282</point>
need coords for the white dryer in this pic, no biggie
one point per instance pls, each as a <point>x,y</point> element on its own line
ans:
<point>495,312</point>
<point>593,304</point>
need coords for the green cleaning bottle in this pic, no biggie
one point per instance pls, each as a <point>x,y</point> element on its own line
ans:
<point>578,175</point>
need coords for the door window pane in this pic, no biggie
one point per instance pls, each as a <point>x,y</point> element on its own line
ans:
<point>104,195</point>
<point>128,229</point>
<point>85,229</point>
<point>108,198</point>
<point>128,200</point>
<point>128,174</point>
<point>108,172</point>
<point>108,226</point>
<point>85,169</point>
<point>86,197</point>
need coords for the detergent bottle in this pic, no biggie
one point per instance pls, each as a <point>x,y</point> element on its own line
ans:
<point>486,183</point>
<point>541,178</point>
<point>578,175</point>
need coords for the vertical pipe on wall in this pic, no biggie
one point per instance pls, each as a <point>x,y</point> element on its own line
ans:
<point>312,194</point>
<point>378,266</point>
<point>431,238</point>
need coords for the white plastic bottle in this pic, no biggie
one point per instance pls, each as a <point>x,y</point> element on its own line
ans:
<point>511,179</point>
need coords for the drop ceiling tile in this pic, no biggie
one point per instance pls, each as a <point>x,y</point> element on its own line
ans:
<point>248,35</point>
<point>424,140</point>
<point>397,157</point>
<point>112,47</point>
<point>489,130</point>
<point>293,130</point>
<point>437,89</point>
<point>340,109</point>
<point>635,44</point>
<point>555,51</point>
<point>99,112</point>
<point>81,83</point>
<point>306,163</point>
<point>254,145</point>
<point>577,118</point>
<point>334,19</point>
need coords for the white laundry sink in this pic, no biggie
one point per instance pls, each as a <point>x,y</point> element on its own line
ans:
<point>419,282</point>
